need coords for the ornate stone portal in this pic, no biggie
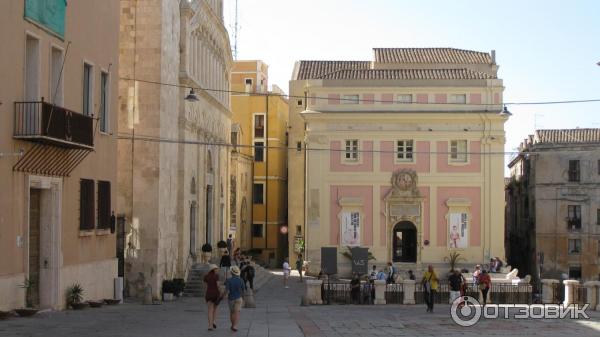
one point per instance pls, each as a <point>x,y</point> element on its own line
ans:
<point>403,212</point>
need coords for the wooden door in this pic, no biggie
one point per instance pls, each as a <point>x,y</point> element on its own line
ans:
<point>34,246</point>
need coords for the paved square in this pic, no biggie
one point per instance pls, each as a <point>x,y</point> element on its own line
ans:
<point>279,313</point>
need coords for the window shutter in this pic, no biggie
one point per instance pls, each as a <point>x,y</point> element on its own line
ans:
<point>104,204</point>
<point>86,204</point>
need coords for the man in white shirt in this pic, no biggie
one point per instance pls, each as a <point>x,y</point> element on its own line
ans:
<point>286,272</point>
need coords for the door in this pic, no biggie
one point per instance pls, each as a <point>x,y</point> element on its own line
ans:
<point>404,243</point>
<point>33,292</point>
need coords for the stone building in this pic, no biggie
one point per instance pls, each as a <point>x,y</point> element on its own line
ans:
<point>174,157</point>
<point>553,205</point>
<point>263,119</point>
<point>58,143</point>
<point>399,154</point>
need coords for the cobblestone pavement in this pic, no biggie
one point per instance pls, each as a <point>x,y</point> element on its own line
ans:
<point>279,313</point>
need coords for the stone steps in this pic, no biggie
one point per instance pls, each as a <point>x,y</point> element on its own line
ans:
<point>195,286</point>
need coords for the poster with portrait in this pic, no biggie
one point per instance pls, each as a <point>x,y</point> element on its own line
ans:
<point>350,231</point>
<point>458,230</point>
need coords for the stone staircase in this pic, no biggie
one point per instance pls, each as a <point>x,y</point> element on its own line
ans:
<point>195,286</point>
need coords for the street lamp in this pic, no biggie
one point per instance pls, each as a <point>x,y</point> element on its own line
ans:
<point>505,112</point>
<point>191,97</point>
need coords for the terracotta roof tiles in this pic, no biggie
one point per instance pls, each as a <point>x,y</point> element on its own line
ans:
<point>430,55</point>
<point>567,136</point>
<point>405,74</point>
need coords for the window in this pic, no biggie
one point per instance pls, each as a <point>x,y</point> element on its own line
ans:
<point>248,84</point>
<point>259,151</point>
<point>86,204</point>
<point>404,98</point>
<point>257,230</point>
<point>458,151</point>
<point>574,217</point>
<point>574,170</point>
<point>88,107</point>
<point>32,69</point>
<point>234,140</point>
<point>299,102</point>
<point>458,99</point>
<point>258,193</point>
<point>575,273</point>
<point>598,216</point>
<point>104,102</point>
<point>574,246</point>
<point>351,150</point>
<point>104,204</point>
<point>349,99</point>
<point>259,126</point>
<point>56,83</point>
<point>404,150</point>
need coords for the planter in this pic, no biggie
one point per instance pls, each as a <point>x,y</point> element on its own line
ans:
<point>5,315</point>
<point>167,297</point>
<point>110,301</point>
<point>26,312</point>
<point>79,306</point>
<point>96,304</point>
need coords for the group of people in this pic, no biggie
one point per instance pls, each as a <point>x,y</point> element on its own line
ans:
<point>242,272</point>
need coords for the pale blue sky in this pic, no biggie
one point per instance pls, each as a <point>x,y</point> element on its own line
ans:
<point>546,49</point>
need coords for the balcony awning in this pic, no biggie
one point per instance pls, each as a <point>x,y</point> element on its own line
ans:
<point>50,160</point>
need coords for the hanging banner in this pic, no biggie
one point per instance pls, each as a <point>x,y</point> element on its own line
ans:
<point>48,13</point>
<point>360,260</point>
<point>350,229</point>
<point>458,230</point>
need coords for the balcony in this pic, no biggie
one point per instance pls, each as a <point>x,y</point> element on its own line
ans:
<point>46,123</point>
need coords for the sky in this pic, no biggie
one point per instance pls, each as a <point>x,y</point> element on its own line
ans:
<point>547,50</point>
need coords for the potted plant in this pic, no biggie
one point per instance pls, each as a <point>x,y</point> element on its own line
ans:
<point>29,285</point>
<point>75,297</point>
<point>178,286</point>
<point>168,290</point>
<point>206,252</point>
<point>222,245</point>
<point>453,259</point>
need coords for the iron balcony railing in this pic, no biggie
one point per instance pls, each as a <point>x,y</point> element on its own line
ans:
<point>52,124</point>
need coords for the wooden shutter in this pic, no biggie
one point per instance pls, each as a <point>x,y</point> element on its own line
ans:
<point>86,204</point>
<point>104,204</point>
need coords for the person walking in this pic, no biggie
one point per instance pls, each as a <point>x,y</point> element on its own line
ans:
<point>225,262</point>
<point>476,274</point>
<point>391,273</point>
<point>234,286</point>
<point>430,286</point>
<point>286,272</point>
<point>485,283</point>
<point>212,296</point>
<point>299,265</point>
<point>355,289</point>
<point>248,274</point>
<point>456,282</point>
<point>230,244</point>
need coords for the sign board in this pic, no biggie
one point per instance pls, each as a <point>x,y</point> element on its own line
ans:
<point>329,260</point>
<point>360,260</point>
<point>49,14</point>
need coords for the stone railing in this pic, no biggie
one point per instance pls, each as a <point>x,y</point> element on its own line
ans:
<point>571,292</point>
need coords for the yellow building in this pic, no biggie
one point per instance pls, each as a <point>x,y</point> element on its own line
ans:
<point>262,116</point>
<point>401,154</point>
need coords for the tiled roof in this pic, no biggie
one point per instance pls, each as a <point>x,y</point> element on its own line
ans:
<point>316,69</point>
<point>567,136</point>
<point>430,55</point>
<point>406,74</point>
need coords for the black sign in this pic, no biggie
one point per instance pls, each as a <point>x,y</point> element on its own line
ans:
<point>329,260</point>
<point>360,260</point>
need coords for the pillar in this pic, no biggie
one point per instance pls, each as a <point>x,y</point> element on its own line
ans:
<point>380,286</point>
<point>548,290</point>
<point>569,291</point>
<point>591,288</point>
<point>313,291</point>
<point>408,287</point>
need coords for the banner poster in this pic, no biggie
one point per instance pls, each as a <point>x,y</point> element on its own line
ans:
<point>458,230</point>
<point>350,231</point>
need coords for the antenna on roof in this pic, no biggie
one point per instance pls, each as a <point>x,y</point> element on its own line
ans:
<point>235,33</point>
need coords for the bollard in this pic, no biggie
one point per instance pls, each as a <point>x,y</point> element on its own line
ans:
<point>249,299</point>
<point>148,294</point>
<point>408,287</point>
<point>380,286</point>
<point>569,291</point>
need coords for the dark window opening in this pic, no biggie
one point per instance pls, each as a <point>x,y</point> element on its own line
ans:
<point>86,204</point>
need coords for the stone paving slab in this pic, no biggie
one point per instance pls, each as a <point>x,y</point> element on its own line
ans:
<point>279,314</point>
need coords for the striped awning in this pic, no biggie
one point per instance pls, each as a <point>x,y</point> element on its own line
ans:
<point>50,160</point>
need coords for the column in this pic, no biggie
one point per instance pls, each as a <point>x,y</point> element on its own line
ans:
<point>380,286</point>
<point>313,291</point>
<point>408,287</point>
<point>597,296</point>
<point>548,286</point>
<point>591,288</point>
<point>570,291</point>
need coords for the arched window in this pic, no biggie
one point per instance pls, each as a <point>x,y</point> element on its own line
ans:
<point>209,162</point>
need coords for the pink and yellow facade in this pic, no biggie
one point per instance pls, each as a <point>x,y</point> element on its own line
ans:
<point>402,154</point>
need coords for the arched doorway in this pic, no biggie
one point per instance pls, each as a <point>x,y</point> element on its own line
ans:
<point>404,242</point>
